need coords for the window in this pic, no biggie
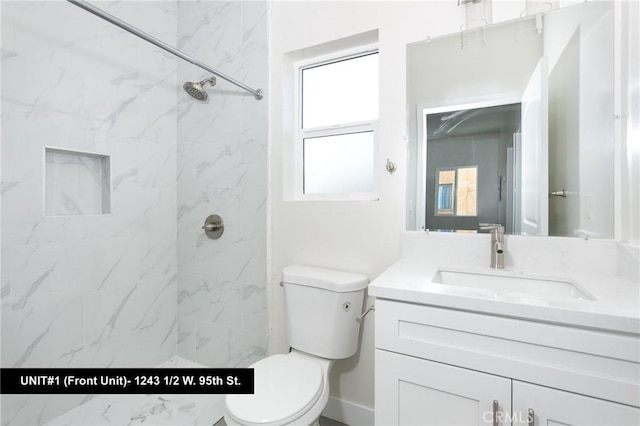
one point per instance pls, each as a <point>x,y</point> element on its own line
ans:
<point>456,192</point>
<point>337,124</point>
<point>446,182</point>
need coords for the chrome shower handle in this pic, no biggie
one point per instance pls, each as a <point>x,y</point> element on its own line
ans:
<point>213,226</point>
<point>210,227</point>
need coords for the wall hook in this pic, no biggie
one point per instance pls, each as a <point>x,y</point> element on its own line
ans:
<point>391,167</point>
<point>562,193</point>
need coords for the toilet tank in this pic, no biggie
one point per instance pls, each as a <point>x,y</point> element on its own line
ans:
<point>321,306</point>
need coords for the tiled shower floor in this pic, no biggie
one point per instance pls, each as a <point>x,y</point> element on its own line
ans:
<point>153,410</point>
<point>149,410</point>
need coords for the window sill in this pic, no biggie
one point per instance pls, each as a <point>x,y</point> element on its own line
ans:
<point>355,196</point>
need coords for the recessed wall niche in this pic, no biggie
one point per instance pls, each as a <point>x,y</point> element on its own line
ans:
<point>76,183</point>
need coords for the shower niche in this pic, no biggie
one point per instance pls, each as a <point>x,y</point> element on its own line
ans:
<point>76,183</point>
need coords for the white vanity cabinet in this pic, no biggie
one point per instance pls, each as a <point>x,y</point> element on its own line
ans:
<point>413,391</point>
<point>439,366</point>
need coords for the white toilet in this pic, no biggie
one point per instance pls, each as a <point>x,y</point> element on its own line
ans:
<point>321,308</point>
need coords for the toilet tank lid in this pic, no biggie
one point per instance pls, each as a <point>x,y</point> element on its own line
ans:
<point>327,279</point>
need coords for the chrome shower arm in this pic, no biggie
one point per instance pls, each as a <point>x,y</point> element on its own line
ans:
<point>133,30</point>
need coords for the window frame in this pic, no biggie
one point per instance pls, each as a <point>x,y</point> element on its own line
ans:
<point>455,188</point>
<point>440,210</point>
<point>301,134</point>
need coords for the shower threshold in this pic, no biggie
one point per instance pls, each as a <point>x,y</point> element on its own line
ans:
<point>153,409</point>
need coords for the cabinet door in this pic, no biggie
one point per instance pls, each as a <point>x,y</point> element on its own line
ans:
<point>413,391</point>
<point>558,408</point>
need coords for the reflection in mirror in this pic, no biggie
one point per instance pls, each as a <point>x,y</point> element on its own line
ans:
<point>470,157</point>
<point>533,117</point>
<point>456,192</point>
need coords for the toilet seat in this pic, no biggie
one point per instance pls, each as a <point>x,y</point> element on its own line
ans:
<point>285,388</point>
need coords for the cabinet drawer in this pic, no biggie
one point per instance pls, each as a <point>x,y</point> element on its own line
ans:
<point>601,364</point>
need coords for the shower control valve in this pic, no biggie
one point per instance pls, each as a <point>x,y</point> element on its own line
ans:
<point>213,226</point>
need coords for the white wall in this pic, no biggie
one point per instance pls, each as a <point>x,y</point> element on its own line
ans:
<point>360,236</point>
<point>628,219</point>
<point>631,126</point>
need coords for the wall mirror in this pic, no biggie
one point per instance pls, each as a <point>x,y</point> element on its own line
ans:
<point>519,132</point>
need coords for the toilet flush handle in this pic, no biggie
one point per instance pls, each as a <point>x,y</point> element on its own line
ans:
<point>364,314</point>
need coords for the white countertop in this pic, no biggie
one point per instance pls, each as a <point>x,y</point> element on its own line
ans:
<point>616,306</point>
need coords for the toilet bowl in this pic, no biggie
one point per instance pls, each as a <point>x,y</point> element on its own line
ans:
<point>321,307</point>
<point>290,389</point>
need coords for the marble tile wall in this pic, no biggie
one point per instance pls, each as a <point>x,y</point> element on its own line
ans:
<point>222,161</point>
<point>84,290</point>
<point>105,290</point>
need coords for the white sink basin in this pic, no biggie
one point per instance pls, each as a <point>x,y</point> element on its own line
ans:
<point>499,284</point>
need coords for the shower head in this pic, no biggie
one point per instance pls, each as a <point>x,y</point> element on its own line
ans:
<point>196,90</point>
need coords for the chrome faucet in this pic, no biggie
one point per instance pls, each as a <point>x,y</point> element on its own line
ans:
<point>497,244</point>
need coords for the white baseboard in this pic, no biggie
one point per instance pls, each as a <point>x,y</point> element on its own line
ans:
<point>348,413</point>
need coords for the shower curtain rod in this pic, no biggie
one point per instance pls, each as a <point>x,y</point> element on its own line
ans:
<point>133,30</point>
